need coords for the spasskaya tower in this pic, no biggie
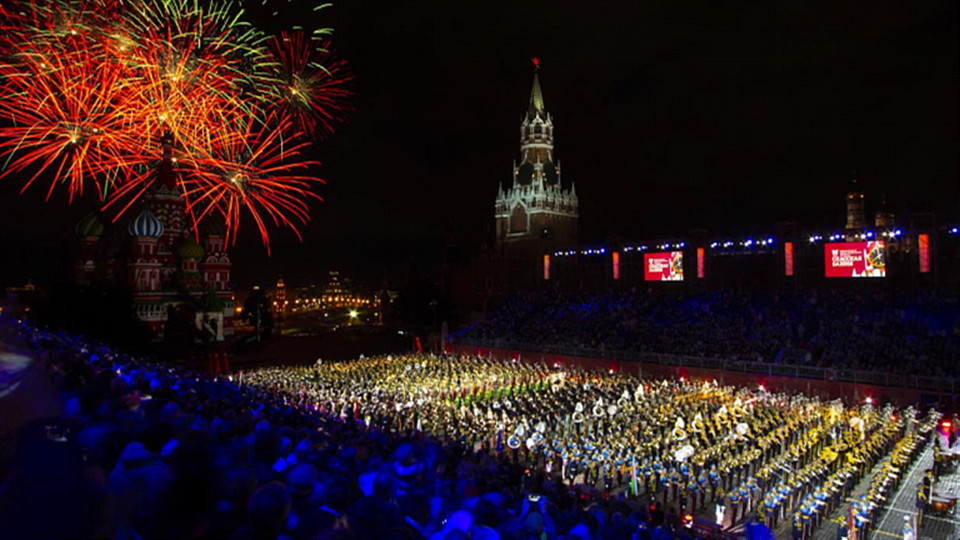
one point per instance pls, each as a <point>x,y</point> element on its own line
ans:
<point>537,212</point>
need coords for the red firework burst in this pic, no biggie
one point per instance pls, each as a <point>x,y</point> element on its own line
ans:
<point>67,115</point>
<point>88,86</point>
<point>250,170</point>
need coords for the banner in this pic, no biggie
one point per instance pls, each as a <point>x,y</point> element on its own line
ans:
<point>616,265</point>
<point>700,254</point>
<point>546,267</point>
<point>924,245</point>
<point>665,266</point>
<point>788,258</point>
<point>855,259</point>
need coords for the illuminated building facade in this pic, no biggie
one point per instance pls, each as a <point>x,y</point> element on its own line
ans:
<point>280,298</point>
<point>336,294</point>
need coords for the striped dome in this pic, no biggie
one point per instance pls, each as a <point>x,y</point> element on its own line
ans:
<point>90,225</point>
<point>189,249</point>
<point>146,224</point>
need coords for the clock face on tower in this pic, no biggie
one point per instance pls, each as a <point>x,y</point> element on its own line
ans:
<point>550,173</point>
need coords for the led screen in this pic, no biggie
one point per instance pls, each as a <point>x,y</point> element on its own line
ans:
<point>665,266</point>
<point>855,259</point>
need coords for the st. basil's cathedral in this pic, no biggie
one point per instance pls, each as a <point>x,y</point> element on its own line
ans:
<point>167,270</point>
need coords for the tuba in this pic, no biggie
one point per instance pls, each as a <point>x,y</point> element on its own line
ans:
<point>536,439</point>
<point>598,411</point>
<point>679,430</point>
<point>578,414</point>
<point>516,439</point>
<point>698,423</point>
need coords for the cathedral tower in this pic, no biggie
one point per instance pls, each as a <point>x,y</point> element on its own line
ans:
<point>537,212</point>
<point>145,270</point>
<point>855,212</point>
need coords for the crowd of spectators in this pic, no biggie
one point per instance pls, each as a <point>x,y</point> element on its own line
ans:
<point>142,450</point>
<point>916,334</point>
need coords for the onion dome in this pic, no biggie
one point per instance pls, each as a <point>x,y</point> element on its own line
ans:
<point>189,249</point>
<point>90,226</point>
<point>146,224</point>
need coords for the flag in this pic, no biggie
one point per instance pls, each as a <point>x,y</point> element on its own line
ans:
<point>633,481</point>
<point>499,441</point>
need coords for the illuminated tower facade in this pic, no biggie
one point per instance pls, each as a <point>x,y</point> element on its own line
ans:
<point>280,300</point>
<point>856,220</point>
<point>216,268</point>
<point>168,206</point>
<point>884,220</point>
<point>537,212</point>
<point>144,271</point>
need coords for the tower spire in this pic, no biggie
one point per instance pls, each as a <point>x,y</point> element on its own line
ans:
<point>536,97</point>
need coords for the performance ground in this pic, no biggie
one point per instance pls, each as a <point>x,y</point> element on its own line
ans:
<point>935,526</point>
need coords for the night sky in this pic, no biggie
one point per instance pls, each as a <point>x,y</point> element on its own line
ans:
<point>668,116</point>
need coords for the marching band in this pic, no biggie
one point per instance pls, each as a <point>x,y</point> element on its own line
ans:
<point>681,442</point>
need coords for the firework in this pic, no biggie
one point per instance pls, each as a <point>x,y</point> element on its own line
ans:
<point>309,81</point>
<point>67,115</point>
<point>90,86</point>
<point>249,170</point>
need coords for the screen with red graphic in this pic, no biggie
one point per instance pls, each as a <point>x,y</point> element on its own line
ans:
<point>855,259</point>
<point>665,266</point>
